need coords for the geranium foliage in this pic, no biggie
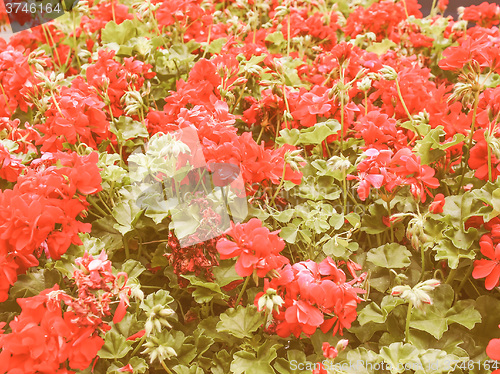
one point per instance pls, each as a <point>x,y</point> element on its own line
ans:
<point>251,186</point>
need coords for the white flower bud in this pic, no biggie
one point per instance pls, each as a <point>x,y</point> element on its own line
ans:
<point>388,73</point>
<point>365,84</point>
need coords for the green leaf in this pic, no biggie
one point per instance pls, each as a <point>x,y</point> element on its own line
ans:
<point>372,223</point>
<point>251,363</point>
<point>445,250</point>
<point>126,128</point>
<point>288,137</point>
<point>294,356</point>
<point>225,273</point>
<point>319,132</point>
<point>185,222</point>
<point>221,362</point>
<point>289,233</point>
<point>115,346</point>
<point>311,135</point>
<point>182,369</point>
<point>435,319</point>
<point>118,34</point>
<point>337,220</point>
<point>34,282</point>
<point>378,314</point>
<point>360,359</point>
<point>204,291</point>
<point>133,268</point>
<point>241,322</point>
<point>390,256</point>
<point>216,46</point>
<point>126,215</point>
<point>160,297</point>
<point>208,327</point>
<point>128,325</point>
<point>398,354</point>
<point>382,47</point>
<point>275,41</point>
<point>489,308</point>
<point>103,228</point>
<point>139,365</point>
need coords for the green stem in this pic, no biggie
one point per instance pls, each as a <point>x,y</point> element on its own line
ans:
<point>138,346</point>
<point>280,185</point>
<point>451,276</point>
<point>165,367</point>
<point>406,9</point>
<point>432,8</point>
<point>113,10</point>
<point>57,104</point>
<point>388,204</point>
<point>400,95</point>
<point>289,36</point>
<point>286,105</point>
<point>408,318</point>
<point>328,152</point>
<point>342,112</point>
<point>440,272</point>
<point>473,125</point>
<point>260,134</point>
<point>242,291</point>
<point>103,203</point>
<point>127,250</point>
<point>366,103</point>
<point>240,96</point>
<point>490,177</point>
<point>74,39</point>
<point>91,201</point>
<point>156,241</point>
<point>464,280</point>
<point>208,41</point>
<point>422,254</point>
<point>6,99</point>
<point>344,188</point>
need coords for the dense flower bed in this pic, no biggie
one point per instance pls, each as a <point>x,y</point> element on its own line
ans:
<point>251,186</point>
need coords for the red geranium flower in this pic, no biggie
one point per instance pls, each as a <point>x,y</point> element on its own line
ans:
<point>488,268</point>
<point>255,246</point>
<point>438,204</point>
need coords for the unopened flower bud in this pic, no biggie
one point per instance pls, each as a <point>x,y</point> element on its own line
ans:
<point>398,290</point>
<point>388,73</point>
<point>148,327</point>
<point>428,285</point>
<point>365,84</point>
<point>270,301</point>
<point>417,295</point>
<point>341,345</point>
<point>167,312</point>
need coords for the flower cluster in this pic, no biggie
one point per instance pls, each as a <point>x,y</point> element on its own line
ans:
<point>258,249</point>
<point>44,330</point>
<point>382,169</point>
<point>97,285</point>
<point>40,214</point>
<point>315,296</point>
<point>69,335</point>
